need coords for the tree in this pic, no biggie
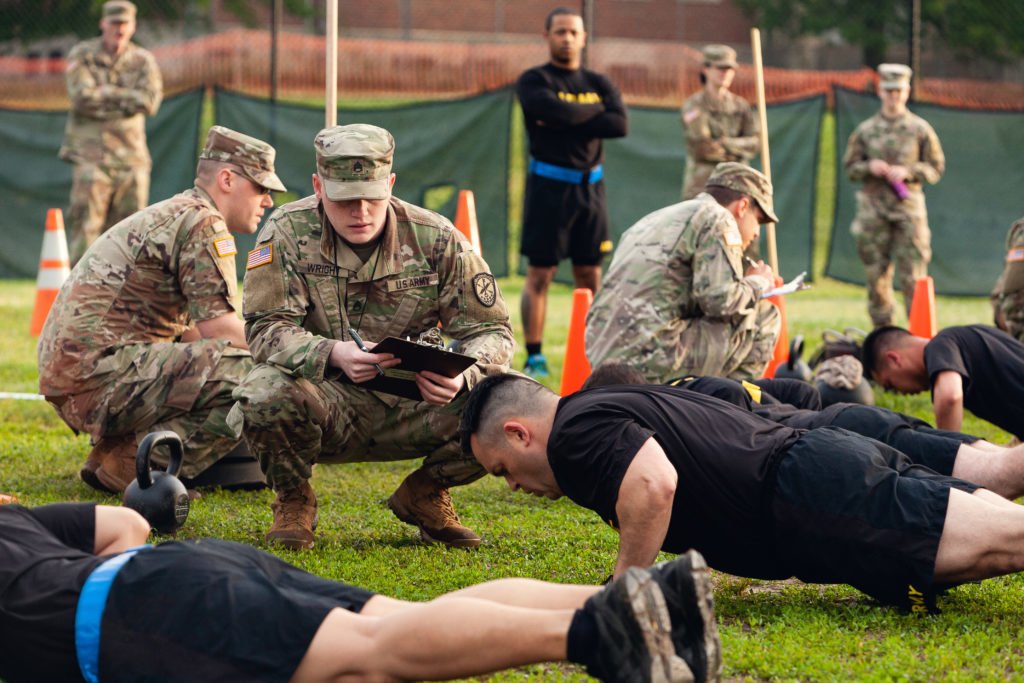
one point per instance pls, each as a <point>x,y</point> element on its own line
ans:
<point>992,29</point>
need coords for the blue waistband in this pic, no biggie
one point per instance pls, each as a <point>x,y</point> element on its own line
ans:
<point>89,613</point>
<point>567,175</point>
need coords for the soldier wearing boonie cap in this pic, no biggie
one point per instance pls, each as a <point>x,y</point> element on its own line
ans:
<point>145,333</point>
<point>718,125</point>
<point>113,86</point>
<point>331,275</point>
<point>678,300</point>
<point>893,153</point>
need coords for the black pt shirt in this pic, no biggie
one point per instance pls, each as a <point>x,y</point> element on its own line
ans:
<point>725,457</point>
<point>991,364</point>
<point>45,558</point>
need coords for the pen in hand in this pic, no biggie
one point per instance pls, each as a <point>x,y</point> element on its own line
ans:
<point>362,347</point>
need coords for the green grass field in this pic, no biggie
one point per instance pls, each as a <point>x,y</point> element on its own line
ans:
<point>784,632</point>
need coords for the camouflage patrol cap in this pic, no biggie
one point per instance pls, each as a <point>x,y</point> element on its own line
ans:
<point>749,181</point>
<point>354,161</point>
<point>719,55</point>
<point>894,76</point>
<point>253,157</point>
<point>119,10</point>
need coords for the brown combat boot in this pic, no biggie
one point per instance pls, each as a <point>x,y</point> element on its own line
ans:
<point>295,517</point>
<point>420,501</point>
<point>110,466</point>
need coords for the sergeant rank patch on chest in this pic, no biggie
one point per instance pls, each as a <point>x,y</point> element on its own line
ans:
<point>412,282</point>
<point>225,246</point>
<point>260,256</point>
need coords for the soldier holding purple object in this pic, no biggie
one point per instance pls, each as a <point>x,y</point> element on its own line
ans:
<point>893,153</point>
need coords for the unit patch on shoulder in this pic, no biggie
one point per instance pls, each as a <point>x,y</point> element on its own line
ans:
<point>260,256</point>
<point>1015,255</point>
<point>485,288</point>
<point>225,246</point>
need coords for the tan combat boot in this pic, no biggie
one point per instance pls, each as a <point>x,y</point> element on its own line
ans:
<point>295,517</point>
<point>110,466</point>
<point>420,501</point>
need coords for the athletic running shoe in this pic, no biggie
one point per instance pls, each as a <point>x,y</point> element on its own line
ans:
<point>536,366</point>
<point>635,632</point>
<point>686,584</point>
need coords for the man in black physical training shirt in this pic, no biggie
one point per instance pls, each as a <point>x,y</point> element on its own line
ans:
<point>976,367</point>
<point>568,111</point>
<point>79,599</point>
<point>673,470</point>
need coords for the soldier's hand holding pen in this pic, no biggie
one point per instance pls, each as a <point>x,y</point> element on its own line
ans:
<point>758,268</point>
<point>358,364</point>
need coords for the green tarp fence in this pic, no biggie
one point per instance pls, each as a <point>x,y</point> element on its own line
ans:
<point>441,148</point>
<point>644,172</point>
<point>33,179</point>
<point>969,211</point>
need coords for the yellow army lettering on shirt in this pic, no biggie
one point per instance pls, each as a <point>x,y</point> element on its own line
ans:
<point>580,97</point>
<point>399,284</point>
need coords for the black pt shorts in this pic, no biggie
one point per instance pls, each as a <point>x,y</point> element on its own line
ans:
<point>564,220</point>
<point>934,449</point>
<point>214,611</point>
<point>852,510</point>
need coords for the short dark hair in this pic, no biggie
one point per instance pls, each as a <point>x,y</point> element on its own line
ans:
<point>558,11</point>
<point>877,343</point>
<point>607,374</point>
<point>488,397</point>
<point>724,195</point>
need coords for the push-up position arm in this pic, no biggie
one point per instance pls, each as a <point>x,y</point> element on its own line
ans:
<point>644,506</point>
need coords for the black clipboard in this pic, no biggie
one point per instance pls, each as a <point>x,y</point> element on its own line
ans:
<point>401,379</point>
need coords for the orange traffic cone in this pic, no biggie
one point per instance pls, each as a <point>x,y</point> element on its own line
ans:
<point>781,354</point>
<point>465,219</point>
<point>576,368</point>
<point>7,498</point>
<point>923,322</point>
<point>54,268</point>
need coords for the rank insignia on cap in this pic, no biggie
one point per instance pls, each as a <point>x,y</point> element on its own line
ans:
<point>485,288</point>
<point>260,256</point>
<point>1015,255</point>
<point>225,246</point>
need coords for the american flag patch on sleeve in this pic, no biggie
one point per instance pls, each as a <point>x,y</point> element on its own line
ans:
<point>225,246</point>
<point>1015,255</point>
<point>260,256</point>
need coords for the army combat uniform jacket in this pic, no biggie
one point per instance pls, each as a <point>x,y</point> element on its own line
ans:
<point>1008,294</point>
<point>715,132</point>
<point>110,98</point>
<point>676,302</point>
<point>109,355</point>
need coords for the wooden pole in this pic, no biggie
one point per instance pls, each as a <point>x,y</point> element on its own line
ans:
<point>331,90</point>
<point>766,160</point>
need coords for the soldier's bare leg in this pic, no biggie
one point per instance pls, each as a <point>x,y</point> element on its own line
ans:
<point>91,191</point>
<point>983,536</point>
<point>1000,471</point>
<point>534,302</point>
<point>513,592</point>
<point>587,277</point>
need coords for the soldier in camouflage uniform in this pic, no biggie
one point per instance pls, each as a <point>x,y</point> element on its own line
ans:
<point>352,256</point>
<point>717,124</point>
<point>677,300</point>
<point>893,153</point>
<point>144,334</point>
<point>1008,294</point>
<point>113,85</point>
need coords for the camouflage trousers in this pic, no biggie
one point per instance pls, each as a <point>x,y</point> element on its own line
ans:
<point>184,387</point>
<point>290,424</point>
<point>101,197</point>
<point>891,235</point>
<point>737,349</point>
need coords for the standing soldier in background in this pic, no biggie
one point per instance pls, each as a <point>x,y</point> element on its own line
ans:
<point>718,125</point>
<point>893,153</point>
<point>568,111</point>
<point>113,85</point>
<point>1008,294</point>
<point>144,334</point>
<point>354,258</point>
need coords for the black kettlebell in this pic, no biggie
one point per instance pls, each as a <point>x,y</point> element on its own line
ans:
<point>795,367</point>
<point>160,497</point>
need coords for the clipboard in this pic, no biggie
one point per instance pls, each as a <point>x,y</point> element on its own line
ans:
<point>401,380</point>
